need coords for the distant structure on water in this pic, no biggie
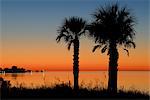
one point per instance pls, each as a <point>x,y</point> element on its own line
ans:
<point>13,69</point>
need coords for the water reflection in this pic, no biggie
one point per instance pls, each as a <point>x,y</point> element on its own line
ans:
<point>126,79</point>
<point>14,76</point>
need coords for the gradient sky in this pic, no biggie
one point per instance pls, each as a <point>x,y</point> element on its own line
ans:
<point>29,29</point>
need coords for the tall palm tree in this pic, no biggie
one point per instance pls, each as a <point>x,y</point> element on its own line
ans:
<point>71,31</point>
<point>112,27</point>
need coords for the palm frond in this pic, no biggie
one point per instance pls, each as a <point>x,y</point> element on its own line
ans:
<point>96,47</point>
<point>75,24</point>
<point>108,52</point>
<point>71,29</point>
<point>111,22</point>
<point>130,44</point>
<point>133,44</point>
<point>104,49</point>
<point>60,36</point>
<point>127,51</point>
<point>81,32</point>
<point>67,38</point>
<point>69,44</point>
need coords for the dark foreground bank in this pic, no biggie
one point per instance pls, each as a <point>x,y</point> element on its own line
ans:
<point>65,91</point>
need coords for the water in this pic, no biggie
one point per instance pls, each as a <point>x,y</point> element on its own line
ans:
<point>127,80</point>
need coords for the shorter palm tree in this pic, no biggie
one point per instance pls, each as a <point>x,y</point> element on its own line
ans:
<point>112,27</point>
<point>71,31</point>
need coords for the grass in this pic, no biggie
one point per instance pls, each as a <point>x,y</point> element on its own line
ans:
<point>64,90</point>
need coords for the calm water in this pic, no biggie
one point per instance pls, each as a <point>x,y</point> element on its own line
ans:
<point>139,80</point>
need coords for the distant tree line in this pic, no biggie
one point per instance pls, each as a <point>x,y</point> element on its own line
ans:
<point>14,69</point>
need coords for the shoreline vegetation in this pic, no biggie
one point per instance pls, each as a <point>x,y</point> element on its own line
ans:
<point>65,90</point>
<point>22,70</point>
<point>15,69</point>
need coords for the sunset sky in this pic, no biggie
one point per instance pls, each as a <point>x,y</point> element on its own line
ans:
<point>29,29</point>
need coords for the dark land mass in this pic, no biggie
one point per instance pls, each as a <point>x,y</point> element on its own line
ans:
<point>14,69</point>
<point>65,91</point>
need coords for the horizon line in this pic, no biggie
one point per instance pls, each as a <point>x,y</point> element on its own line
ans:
<point>98,70</point>
<point>83,69</point>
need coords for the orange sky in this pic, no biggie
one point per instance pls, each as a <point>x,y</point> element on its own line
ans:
<point>28,33</point>
<point>57,57</point>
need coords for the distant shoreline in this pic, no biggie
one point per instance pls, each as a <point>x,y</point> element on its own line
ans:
<point>69,71</point>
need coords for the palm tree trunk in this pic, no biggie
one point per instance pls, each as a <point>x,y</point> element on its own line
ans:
<point>113,64</point>
<point>76,63</point>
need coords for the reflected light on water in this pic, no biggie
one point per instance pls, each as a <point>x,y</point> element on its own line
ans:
<point>138,80</point>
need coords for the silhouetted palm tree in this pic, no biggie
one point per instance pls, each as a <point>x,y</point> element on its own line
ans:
<point>71,31</point>
<point>112,27</point>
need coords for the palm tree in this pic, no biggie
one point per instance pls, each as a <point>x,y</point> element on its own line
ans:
<point>112,27</point>
<point>71,31</point>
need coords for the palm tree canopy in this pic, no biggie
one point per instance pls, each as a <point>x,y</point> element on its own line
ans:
<point>71,28</point>
<point>112,23</point>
